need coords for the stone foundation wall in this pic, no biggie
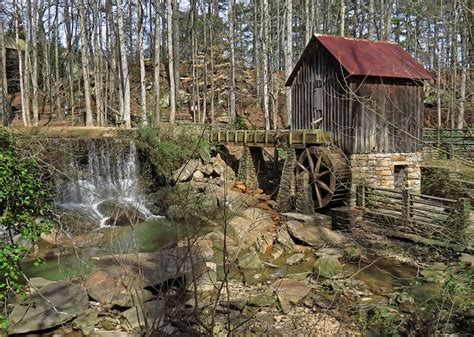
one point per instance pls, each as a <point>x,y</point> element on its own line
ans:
<point>378,169</point>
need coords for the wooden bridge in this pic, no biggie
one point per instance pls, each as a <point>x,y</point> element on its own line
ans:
<point>270,138</point>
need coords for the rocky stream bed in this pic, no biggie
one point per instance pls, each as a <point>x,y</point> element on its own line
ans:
<point>225,261</point>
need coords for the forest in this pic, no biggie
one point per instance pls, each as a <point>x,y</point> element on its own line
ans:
<point>141,62</point>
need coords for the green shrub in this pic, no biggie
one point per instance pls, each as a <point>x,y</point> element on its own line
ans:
<point>24,197</point>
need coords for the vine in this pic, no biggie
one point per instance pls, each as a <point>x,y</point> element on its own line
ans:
<point>25,197</point>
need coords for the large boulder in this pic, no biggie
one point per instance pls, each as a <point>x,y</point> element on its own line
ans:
<point>315,219</point>
<point>150,315</point>
<point>291,290</point>
<point>50,306</point>
<point>185,172</point>
<point>253,227</point>
<point>313,235</point>
<point>118,279</point>
<point>328,266</point>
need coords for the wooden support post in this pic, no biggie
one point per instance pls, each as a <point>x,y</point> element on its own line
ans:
<point>406,205</point>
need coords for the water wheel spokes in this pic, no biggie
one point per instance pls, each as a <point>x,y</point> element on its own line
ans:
<point>321,164</point>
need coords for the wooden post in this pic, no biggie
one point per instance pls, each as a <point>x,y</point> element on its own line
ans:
<point>360,195</point>
<point>406,205</point>
<point>461,217</point>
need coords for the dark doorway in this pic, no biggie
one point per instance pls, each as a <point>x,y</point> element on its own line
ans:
<point>399,177</point>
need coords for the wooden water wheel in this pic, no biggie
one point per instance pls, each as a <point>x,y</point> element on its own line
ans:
<point>328,171</point>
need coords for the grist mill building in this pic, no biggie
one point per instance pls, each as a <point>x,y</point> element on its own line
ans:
<point>369,95</point>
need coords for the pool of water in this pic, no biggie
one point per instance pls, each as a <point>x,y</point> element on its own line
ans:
<point>147,236</point>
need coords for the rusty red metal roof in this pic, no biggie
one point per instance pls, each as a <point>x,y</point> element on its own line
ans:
<point>368,58</point>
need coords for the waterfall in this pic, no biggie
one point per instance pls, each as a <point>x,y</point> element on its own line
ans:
<point>100,172</point>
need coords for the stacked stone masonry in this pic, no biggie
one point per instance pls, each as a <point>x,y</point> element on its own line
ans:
<point>378,169</point>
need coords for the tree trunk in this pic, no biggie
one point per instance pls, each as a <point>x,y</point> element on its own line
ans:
<point>371,19</point>
<point>57,80</point>
<point>289,56</point>
<point>125,80</point>
<point>33,28</point>
<point>98,66</point>
<point>265,40</point>
<point>176,46</point>
<point>256,50</point>
<point>157,60</point>
<point>307,20</point>
<point>85,64</point>
<point>141,55</point>
<point>343,18</point>
<point>462,89</point>
<point>232,62</point>
<point>171,67</point>
<point>68,23</point>
<point>23,69</point>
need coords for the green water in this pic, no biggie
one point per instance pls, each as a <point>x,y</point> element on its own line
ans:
<point>143,237</point>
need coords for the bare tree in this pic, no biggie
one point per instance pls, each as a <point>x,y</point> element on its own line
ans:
<point>142,63</point>
<point>85,63</point>
<point>371,28</point>
<point>171,67</point>
<point>124,78</point>
<point>289,55</point>
<point>232,60</point>
<point>33,56</point>
<point>343,18</point>
<point>157,59</point>
<point>266,78</point>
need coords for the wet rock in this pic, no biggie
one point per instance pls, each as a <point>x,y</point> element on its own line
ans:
<point>116,278</point>
<point>108,323</point>
<point>250,260</point>
<point>314,236</point>
<point>295,259</point>
<point>328,266</point>
<point>86,321</point>
<point>299,276</point>
<point>52,305</point>
<point>285,240</point>
<point>125,216</point>
<point>122,290</point>
<point>113,334</point>
<point>316,219</point>
<point>151,315</point>
<point>293,290</point>
<point>253,227</point>
<point>185,172</point>
<point>277,251</point>
<point>265,299</point>
<point>284,303</point>
<point>39,282</point>
<point>337,252</point>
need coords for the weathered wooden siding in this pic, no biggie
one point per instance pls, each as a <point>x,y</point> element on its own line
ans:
<point>364,114</point>
<point>318,91</point>
<point>388,116</point>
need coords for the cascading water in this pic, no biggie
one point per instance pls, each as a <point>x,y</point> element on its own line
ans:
<point>96,174</point>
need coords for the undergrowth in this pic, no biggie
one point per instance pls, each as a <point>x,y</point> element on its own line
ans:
<point>169,147</point>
